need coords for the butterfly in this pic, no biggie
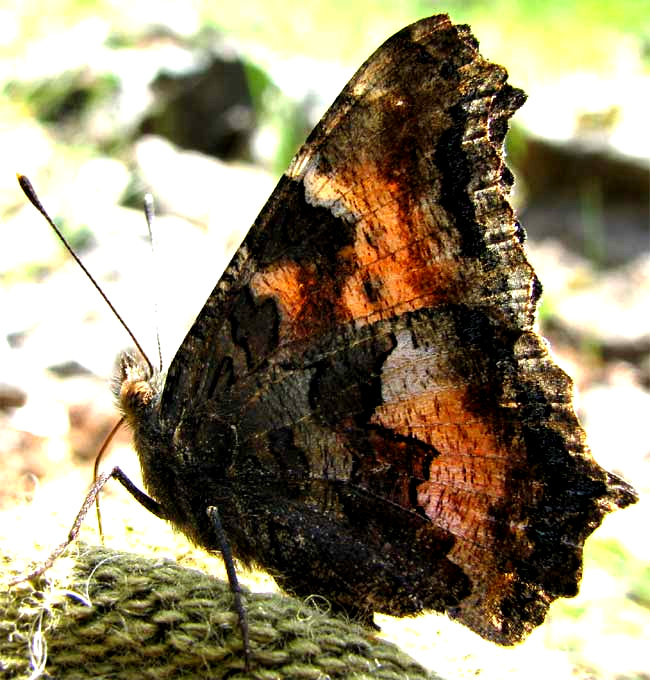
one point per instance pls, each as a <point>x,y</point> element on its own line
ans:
<point>363,406</point>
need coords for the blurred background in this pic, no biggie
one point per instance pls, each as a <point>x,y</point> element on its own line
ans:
<point>203,105</point>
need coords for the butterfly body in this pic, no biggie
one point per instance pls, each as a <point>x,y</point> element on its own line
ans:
<point>363,395</point>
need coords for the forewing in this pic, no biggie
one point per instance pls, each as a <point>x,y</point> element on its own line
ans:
<point>396,202</point>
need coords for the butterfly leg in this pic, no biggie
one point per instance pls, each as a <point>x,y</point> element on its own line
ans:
<point>116,473</point>
<point>235,589</point>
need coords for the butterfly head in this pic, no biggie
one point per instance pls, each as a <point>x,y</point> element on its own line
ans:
<point>134,387</point>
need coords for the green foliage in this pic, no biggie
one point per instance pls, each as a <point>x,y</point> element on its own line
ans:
<point>593,228</point>
<point>80,237</point>
<point>610,555</point>
<point>640,587</point>
<point>65,98</point>
<point>316,28</point>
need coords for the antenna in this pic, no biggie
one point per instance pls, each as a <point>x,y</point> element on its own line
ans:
<point>149,214</point>
<point>30,192</point>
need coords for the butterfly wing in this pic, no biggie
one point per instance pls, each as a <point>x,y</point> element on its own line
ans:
<point>394,434</point>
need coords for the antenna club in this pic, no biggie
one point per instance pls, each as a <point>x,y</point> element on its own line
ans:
<point>30,192</point>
